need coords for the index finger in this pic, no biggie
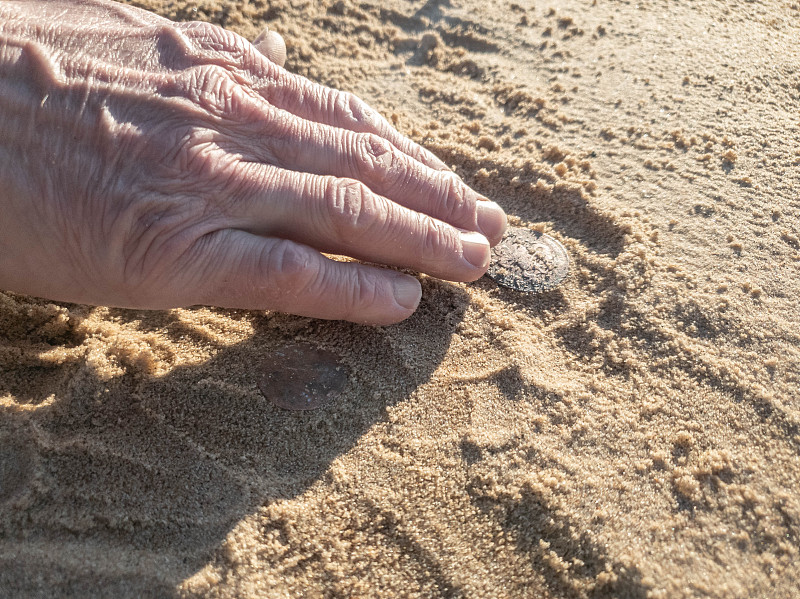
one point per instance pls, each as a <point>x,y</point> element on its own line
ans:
<point>303,98</point>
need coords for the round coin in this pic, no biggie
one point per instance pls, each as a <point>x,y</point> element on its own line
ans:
<point>528,261</point>
<point>302,377</point>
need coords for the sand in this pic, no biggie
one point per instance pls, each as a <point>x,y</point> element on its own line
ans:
<point>635,433</point>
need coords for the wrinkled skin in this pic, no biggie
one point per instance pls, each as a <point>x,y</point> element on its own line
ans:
<point>151,164</point>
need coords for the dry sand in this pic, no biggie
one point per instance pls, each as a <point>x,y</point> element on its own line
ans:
<point>634,434</point>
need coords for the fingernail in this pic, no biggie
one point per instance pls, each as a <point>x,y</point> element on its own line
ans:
<point>407,292</point>
<point>492,220</point>
<point>475,249</point>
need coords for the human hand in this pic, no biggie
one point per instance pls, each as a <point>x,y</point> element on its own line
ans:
<point>152,164</point>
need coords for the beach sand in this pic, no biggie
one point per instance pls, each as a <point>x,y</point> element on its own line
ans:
<point>634,433</point>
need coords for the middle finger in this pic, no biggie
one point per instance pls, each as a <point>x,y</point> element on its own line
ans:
<point>307,146</point>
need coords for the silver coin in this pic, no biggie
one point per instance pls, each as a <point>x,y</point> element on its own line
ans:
<point>528,261</point>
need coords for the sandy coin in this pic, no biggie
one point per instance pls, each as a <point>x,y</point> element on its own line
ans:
<point>528,261</point>
<point>302,377</point>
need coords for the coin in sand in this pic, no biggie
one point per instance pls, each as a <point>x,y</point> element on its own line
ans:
<point>302,377</point>
<point>528,261</point>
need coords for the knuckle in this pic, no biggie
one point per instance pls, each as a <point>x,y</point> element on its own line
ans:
<point>196,154</point>
<point>174,46</point>
<point>351,206</point>
<point>290,265</point>
<point>182,45</point>
<point>206,88</point>
<point>211,37</point>
<point>215,89</point>
<point>362,292</point>
<point>438,243</point>
<point>453,197</point>
<point>378,158</point>
<point>356,112</point>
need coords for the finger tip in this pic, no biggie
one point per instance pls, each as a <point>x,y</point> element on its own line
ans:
<point>492,220</point>
<point>475,251</point>
<point>407,293</point>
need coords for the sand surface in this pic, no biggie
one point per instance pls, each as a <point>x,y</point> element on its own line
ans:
<point>635,433</point>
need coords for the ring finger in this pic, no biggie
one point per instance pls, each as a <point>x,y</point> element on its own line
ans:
<point>343,216</point>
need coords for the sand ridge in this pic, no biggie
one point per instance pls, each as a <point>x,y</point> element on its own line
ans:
<point>633,433</point>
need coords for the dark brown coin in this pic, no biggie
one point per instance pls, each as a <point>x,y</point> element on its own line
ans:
<point>528,261</point>
<point>302,377</point>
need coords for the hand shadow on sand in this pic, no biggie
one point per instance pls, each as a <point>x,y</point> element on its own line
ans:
<point>108,475</point>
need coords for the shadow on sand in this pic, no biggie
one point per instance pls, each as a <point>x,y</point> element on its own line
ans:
<point>165,466</point>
